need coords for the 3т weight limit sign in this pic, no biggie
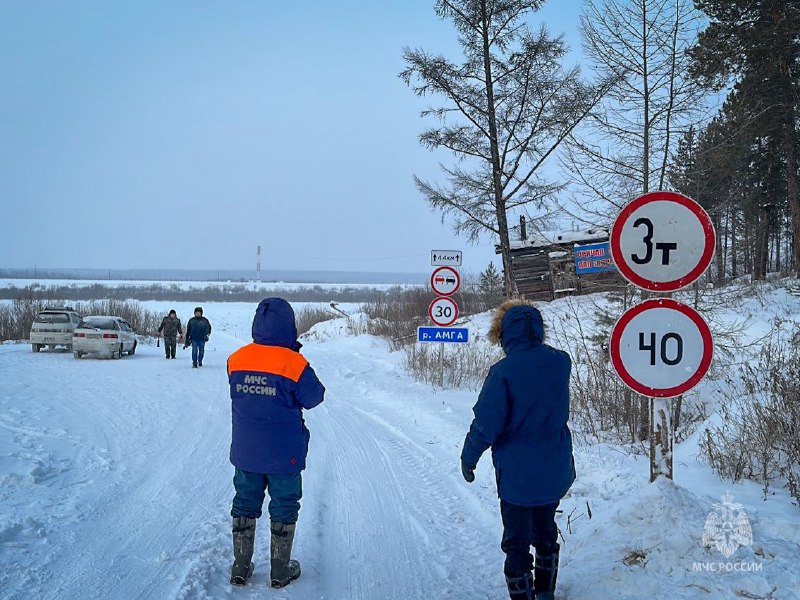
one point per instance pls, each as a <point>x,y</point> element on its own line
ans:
<point>662,242</point>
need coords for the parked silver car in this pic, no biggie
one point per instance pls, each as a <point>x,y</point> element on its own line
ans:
<point>53,327</point>
<point>103,334</point>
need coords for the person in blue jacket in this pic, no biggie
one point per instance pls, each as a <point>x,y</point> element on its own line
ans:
<point>271,384</point>
<point>198,329</point>
<point>522,414</point>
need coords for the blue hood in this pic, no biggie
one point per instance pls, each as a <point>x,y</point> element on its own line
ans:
<point>522,328</point>
<point>274,324</point>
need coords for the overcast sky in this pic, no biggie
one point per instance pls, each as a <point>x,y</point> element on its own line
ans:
<point>182,134</point>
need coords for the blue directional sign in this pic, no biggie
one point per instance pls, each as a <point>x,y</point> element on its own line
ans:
<point>458,335</point>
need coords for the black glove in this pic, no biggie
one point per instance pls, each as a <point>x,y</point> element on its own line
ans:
<point>467,472</point>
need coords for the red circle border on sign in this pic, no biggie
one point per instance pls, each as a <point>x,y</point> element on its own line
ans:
<point>455,311</point>
<point>458,281</point>
<point>663,286</point>
<point>627,378</point>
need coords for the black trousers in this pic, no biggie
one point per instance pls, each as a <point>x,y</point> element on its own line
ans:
<point>170,344</point>
<point>523,527</point>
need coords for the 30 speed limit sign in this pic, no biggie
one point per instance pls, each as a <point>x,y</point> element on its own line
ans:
<point>662,241</point>
<point>443,311</point>
<point>661,348</point>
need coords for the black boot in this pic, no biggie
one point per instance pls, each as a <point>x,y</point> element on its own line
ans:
<point>521,588</point>
<point>283,569</point>
<point>546,571</point>
<point>244,539</point>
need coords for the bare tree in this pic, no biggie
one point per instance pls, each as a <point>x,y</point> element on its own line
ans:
<point>509,105</point>
<point>625,147</point>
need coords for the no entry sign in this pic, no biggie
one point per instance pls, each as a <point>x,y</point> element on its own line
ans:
<point>661,348</point>
<point>662,241</point>
<point>445,281</point>
<point>443,311</point>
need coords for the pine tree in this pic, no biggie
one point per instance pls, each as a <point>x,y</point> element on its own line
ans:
<point>490,285</point>
<point>509,105</point>
<point>756,43</point>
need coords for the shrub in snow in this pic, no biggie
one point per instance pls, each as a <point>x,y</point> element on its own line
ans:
<point>309,316</point>
<point>758,433</point>
<point>460,366</point>
<point>16,319</point>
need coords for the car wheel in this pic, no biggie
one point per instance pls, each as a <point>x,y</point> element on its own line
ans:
<point>118,353</point>
<point>36,347</point>
<point>133,350</point>
<point>77,354</point>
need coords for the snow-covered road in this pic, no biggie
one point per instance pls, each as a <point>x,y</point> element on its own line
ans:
<point>115,484</point>
<point>119,484</point>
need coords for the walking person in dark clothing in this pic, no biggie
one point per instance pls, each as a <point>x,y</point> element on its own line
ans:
<point>198,329</point>
<point>271,385</point>
<point>171,328</point>
<point>522,414</point>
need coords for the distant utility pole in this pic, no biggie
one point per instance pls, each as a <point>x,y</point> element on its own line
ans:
<point>258,265</point>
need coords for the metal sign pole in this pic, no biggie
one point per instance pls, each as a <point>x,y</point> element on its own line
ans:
<point>441,365</point>
<point>662,438</point>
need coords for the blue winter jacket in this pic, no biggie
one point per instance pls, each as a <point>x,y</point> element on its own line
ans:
<point>270,385</point>
<point>522,414</point>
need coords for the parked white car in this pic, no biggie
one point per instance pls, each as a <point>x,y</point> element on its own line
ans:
<point>53,327</point>
<point>105,335</point>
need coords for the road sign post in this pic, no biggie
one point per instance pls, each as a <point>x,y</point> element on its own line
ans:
<point>660,348</point>
<point>443,311</point>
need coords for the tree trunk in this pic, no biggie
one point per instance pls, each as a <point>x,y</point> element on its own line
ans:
<point>791,180</point>
<point>734,258</point>
<point>790,139</point>
<point>719,249</point>
<point>646,97</point>
<point>762,245</point>
<point>497,184</point>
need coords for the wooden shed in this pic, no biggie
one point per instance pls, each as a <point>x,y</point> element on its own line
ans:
<point>544,265</point>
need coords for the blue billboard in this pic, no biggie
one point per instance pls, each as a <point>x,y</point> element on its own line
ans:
<point>594,258</point>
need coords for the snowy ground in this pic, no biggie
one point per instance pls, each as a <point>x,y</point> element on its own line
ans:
<point>115,483</point>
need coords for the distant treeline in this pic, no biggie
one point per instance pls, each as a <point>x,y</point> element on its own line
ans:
<point>222,275</point>
<point>210,293</point>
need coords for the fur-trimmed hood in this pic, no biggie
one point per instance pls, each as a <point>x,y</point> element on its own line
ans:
<point>516,321</point>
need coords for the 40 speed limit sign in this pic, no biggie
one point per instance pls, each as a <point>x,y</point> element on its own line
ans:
<point>661,348</point>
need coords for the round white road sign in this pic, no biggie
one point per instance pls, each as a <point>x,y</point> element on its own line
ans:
<point>661,348</point>
<point>443,311</point>
<point>445,281</point>
<point>662,241</point>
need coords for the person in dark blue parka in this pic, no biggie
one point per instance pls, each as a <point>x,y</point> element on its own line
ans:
<point>271,384</point>
<point>522,415</point>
